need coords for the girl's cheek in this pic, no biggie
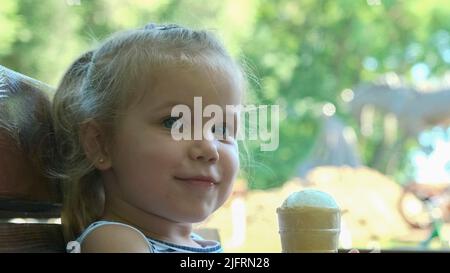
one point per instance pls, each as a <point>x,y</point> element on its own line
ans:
<point>232,162</point>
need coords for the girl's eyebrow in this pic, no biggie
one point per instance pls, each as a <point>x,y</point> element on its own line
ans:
<point>166,105</point>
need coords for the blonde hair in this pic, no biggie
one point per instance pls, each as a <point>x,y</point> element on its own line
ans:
<point>98,85</point>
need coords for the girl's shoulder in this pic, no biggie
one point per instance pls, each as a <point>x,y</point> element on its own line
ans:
<point>105,236</point>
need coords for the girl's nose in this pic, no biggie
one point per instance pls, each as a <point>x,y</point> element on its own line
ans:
<point>204,150</point>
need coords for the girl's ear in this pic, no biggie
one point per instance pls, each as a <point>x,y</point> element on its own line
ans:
<point>95,145</point>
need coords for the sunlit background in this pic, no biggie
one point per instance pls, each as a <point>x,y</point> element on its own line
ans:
<point>363,88</point>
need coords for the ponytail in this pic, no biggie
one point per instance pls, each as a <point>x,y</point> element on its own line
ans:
<point>83,193</point>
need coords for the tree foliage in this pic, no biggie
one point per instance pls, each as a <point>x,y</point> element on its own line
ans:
<point>301,53</point>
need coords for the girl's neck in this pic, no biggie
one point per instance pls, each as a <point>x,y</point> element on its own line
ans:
<point>153,226</point>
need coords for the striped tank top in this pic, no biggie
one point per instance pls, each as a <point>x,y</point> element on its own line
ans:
<point>155,246</point>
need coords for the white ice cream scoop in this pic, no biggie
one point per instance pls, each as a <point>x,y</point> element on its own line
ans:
<point>309,221</point>
<point>310,198</point>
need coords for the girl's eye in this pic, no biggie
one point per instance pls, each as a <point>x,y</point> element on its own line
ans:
<point>221,131</point>
<point>169,122</point>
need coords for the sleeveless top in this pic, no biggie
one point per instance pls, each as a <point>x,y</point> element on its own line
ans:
<point>154,245</point>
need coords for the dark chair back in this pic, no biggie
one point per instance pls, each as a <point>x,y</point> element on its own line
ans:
<point>28,199</point>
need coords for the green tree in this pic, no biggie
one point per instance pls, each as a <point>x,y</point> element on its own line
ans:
<point>309,51</point>
<point>299,54</point>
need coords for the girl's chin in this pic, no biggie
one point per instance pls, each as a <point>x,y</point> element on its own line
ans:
<point>195,217</point>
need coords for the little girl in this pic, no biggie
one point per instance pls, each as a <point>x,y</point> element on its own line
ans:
<point>129,186</point>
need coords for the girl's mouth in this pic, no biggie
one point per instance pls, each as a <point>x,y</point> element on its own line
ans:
<point>203,181</point>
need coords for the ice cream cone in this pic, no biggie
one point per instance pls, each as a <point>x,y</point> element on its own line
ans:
<point>309,221</point>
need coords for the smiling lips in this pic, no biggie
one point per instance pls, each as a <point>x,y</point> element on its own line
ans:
<point>199,180</point>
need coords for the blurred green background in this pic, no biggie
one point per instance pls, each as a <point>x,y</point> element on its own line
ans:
<point>301,54</point>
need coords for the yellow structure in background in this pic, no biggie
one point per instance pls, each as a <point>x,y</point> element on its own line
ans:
<point>368,200</point>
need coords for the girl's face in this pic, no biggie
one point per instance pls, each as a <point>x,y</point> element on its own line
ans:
<point>156,173</point>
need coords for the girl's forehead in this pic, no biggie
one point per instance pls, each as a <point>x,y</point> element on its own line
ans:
<point>181,84</point>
